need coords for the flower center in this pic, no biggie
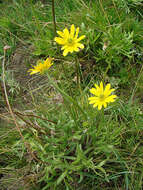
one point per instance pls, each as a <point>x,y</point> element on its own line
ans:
<point>70,42</point>
<point>102,97</point>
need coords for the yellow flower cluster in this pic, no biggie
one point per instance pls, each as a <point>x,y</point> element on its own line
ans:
<point>41,67</point>
<point>101,97</point>
<point>70,42</point>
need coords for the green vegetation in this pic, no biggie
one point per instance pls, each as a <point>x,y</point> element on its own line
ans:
<point>56,139</point>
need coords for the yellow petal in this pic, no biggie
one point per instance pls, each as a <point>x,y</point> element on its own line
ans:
<point>65,52</point>
<point>108,91</point>
<point>99,106</point>
<point>48,60</point>
<point>60,33</point>
<point>93,91</point>
<point>107,88</point>
<point>72,31</point>
<point>101,87</point>
<point>80,38</point>
<point>76,49</point>
<point>95,105</point>
<point>97,87</point>
<point>81,46</point>
<point>76,34</point>
<point>105,104</point>
<point>64,47</point>
<point>92,102</point>
<point>111,98</point>
<point>59,40</point>
<point>71,49</point>
<point>91,98</point>
<point>66,33</point>
<point>32,71</point>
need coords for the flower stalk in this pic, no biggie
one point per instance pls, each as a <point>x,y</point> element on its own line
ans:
<point>77,72</point>
<point>54,17</point>
<point>65,95</point>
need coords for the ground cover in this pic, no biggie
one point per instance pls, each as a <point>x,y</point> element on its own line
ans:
<point>56,139</point>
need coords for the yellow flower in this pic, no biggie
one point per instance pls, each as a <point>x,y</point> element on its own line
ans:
<point>41,67</point>
<point>69,40</point>
<point>102,97</point>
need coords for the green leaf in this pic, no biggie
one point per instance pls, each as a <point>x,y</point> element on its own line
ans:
<point>61,177</point>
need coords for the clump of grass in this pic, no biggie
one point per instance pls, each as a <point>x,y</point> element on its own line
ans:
<point>68,144</point>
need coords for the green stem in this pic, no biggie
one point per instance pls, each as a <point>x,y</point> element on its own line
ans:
<point>64,70</point>
<point>102,114</point>
<point>67,78</point>
<point>78,71</point>
<point>107,69</point>
<point>100,118</point>
<point>135,88</point>
<point>66,96</point>
<point>54,17</point>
